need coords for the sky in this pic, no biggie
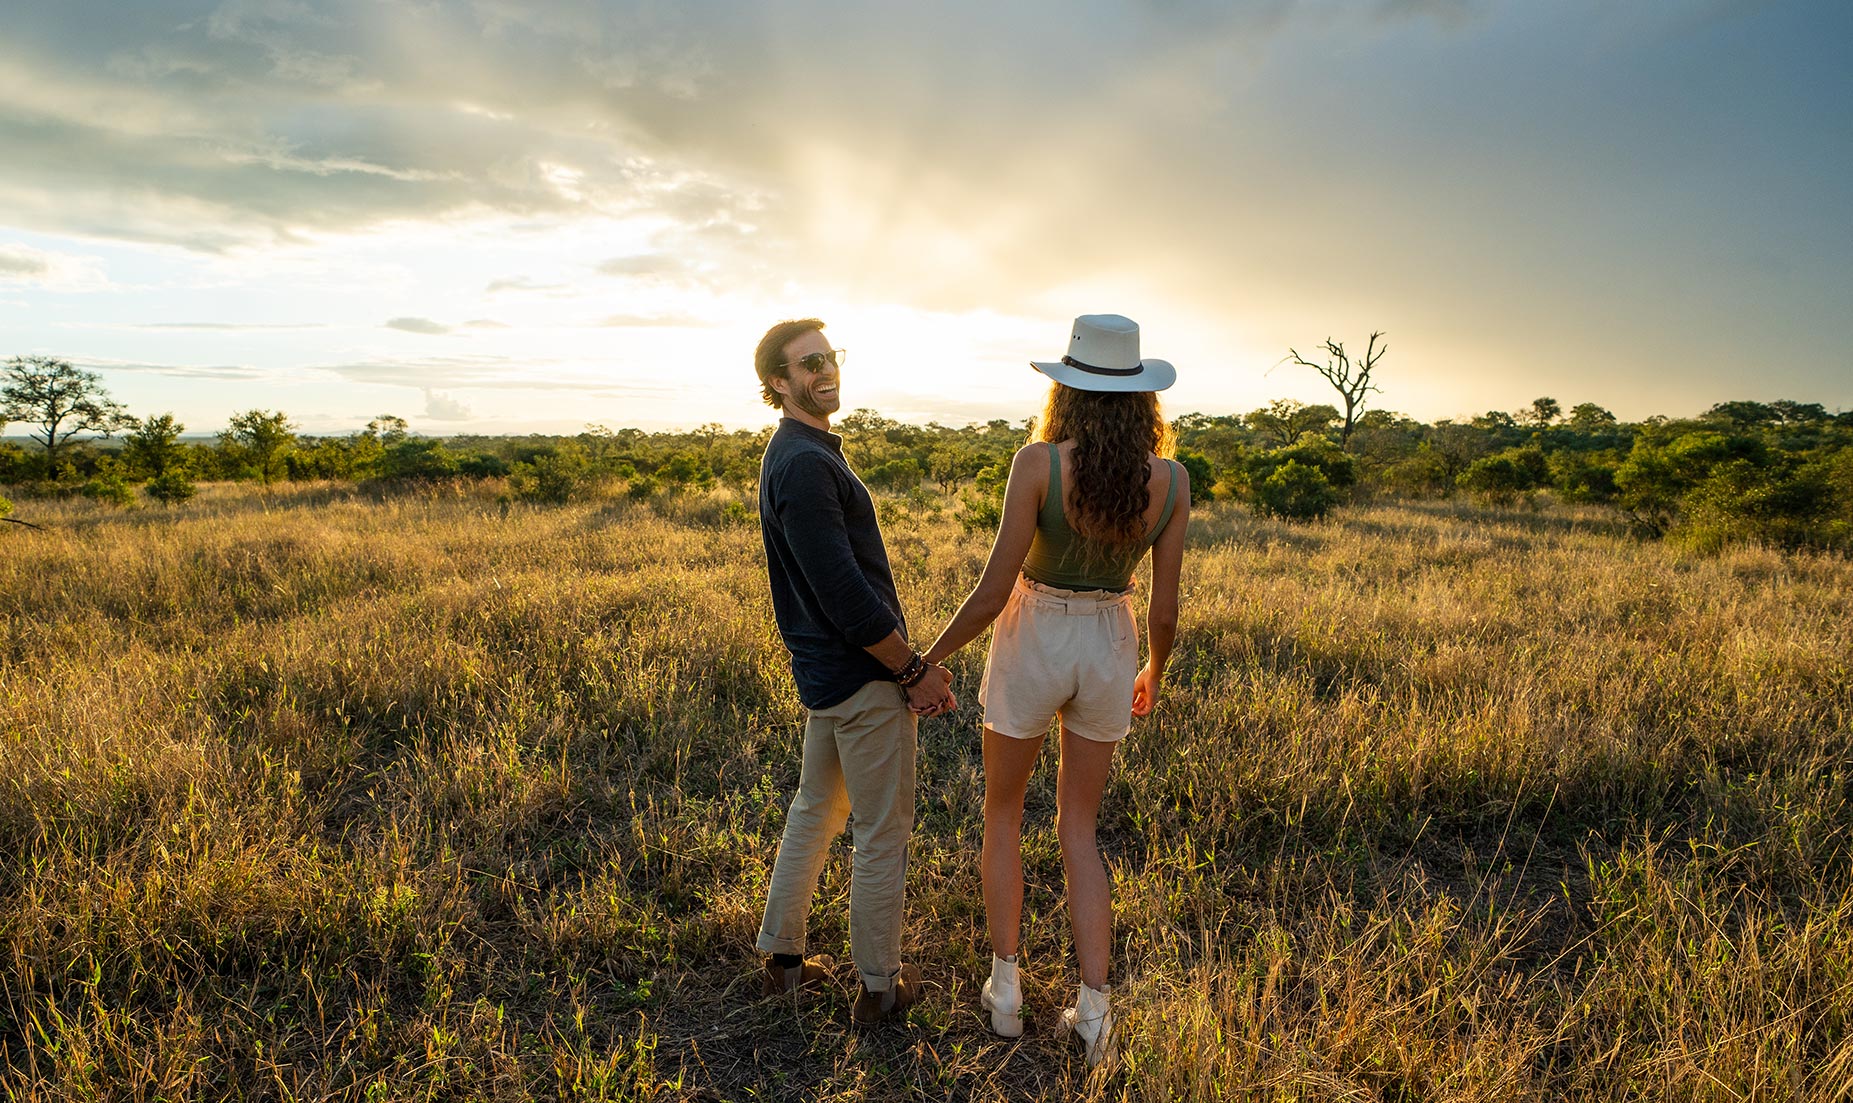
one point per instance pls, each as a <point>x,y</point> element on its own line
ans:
<point>510,216</point>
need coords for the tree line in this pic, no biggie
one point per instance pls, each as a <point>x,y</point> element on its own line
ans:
<point>1774,472</point>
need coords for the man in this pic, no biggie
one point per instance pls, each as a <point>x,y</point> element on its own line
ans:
<point>863,684</point>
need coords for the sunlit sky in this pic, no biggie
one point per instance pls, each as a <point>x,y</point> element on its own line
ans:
<point>498,216</point>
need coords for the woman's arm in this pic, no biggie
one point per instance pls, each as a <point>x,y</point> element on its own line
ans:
<point>1161,617</point>
<point>1023,493</point>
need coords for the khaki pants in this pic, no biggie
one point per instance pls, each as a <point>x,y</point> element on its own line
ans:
<point>858,757</point>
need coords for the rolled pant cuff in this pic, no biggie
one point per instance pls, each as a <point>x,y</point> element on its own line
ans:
<point>880,982</point>
<point>772,944</point>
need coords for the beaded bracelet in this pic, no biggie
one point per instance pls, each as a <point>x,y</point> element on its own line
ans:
<point>914,670</point>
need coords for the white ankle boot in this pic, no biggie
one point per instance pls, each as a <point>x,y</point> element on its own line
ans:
<point>1091,1018</point>
<point>1003,998</point>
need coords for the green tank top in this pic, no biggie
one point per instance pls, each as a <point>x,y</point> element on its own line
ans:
<point>1057,553</point>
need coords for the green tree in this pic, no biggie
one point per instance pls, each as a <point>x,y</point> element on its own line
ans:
<point>902,474</point>
<point>59,400</point>
<point>1283,420</point>
<point>152,447</point>
<point>1587,417</point>
<point>259,440</point>
<point>388,429</point>
<point>865,433</point>
<point>1543,411</point>
<point>952,463</point>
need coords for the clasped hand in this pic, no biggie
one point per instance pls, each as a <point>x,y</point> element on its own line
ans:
<point>932,694</point>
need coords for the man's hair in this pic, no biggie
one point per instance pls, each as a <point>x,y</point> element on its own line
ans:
<point>769,358</point>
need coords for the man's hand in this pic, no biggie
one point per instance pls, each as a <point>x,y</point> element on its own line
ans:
<point>1145,691</point>
<point>932,694</point>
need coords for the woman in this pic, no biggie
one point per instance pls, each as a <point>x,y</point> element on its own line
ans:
<point>1083,503</point>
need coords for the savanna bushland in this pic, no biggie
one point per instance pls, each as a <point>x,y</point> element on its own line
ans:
<point>317,791</point>
<point>1501,759</point>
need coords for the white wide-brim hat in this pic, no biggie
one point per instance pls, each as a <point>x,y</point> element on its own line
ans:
<point>1103,355</point>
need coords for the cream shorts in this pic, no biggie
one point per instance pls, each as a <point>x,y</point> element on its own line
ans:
<point>1061,653</point>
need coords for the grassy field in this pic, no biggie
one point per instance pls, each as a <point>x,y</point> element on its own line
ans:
<point>323,796</point>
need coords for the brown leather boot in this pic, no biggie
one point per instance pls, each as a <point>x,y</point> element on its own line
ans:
<point>777,981</point>
<point>873,1007</point>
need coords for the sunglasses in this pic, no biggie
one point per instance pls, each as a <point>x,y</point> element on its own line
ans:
<point>815,362</point>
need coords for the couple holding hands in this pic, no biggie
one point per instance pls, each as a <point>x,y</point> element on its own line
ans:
<point>1085,500</point>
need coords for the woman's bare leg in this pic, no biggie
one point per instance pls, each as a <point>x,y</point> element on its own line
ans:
<point>1078,789</point>
<point>1007,766</point>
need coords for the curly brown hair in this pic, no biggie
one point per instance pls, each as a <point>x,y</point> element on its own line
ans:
<point>1115,434</point>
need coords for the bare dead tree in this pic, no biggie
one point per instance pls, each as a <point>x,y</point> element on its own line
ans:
<point>1350,380</point>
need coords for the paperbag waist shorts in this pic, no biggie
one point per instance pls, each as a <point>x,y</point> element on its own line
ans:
<point>1054,652</point>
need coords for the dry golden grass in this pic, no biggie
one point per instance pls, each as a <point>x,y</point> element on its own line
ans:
<point>320,796</point>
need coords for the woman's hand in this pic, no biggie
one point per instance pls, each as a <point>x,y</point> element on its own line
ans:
<point>1145,690</point>
<point>932,694</point>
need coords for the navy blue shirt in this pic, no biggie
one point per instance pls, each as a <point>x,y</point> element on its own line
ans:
<point>832,591</point>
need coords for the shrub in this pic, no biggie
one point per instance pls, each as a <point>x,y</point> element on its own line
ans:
<point>981,509</point>
<point>1317,473</point>
<point>1311,450</point>
<point>109,488</point>
<point>1297,492</point>
<point>561,475</point>
<point>1201,471</point>
<point>1583,476</point>
<point>16,464</point>
<point>685,469</point>
<point>1789,506</point>
<point>642,488</point>
<point>1422,474</point>
<point>481,465</point>
<point>170,486</point>
<point>1653,482</point>
<point>417,459</point>
<point>1501,478</point>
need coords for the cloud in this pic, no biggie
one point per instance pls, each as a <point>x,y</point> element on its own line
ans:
<point>179,371</point>
<point>655,268</point>
<point>1446,169</point>
<point>229,326</point>
<point>269,119</point>
<point>482,372</point>
<point>681,321</point>
<point>417,325</point>
<point>484,323</point>
<point>642,264</point>
<point>18,262</point>
<point>442,407</point>
<point>521,283</point>
<point>24,264</point>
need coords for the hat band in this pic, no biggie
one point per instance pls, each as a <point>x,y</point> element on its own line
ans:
<point>1092,370</point>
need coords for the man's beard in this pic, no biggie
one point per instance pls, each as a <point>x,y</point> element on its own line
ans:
<point>806,400</point>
